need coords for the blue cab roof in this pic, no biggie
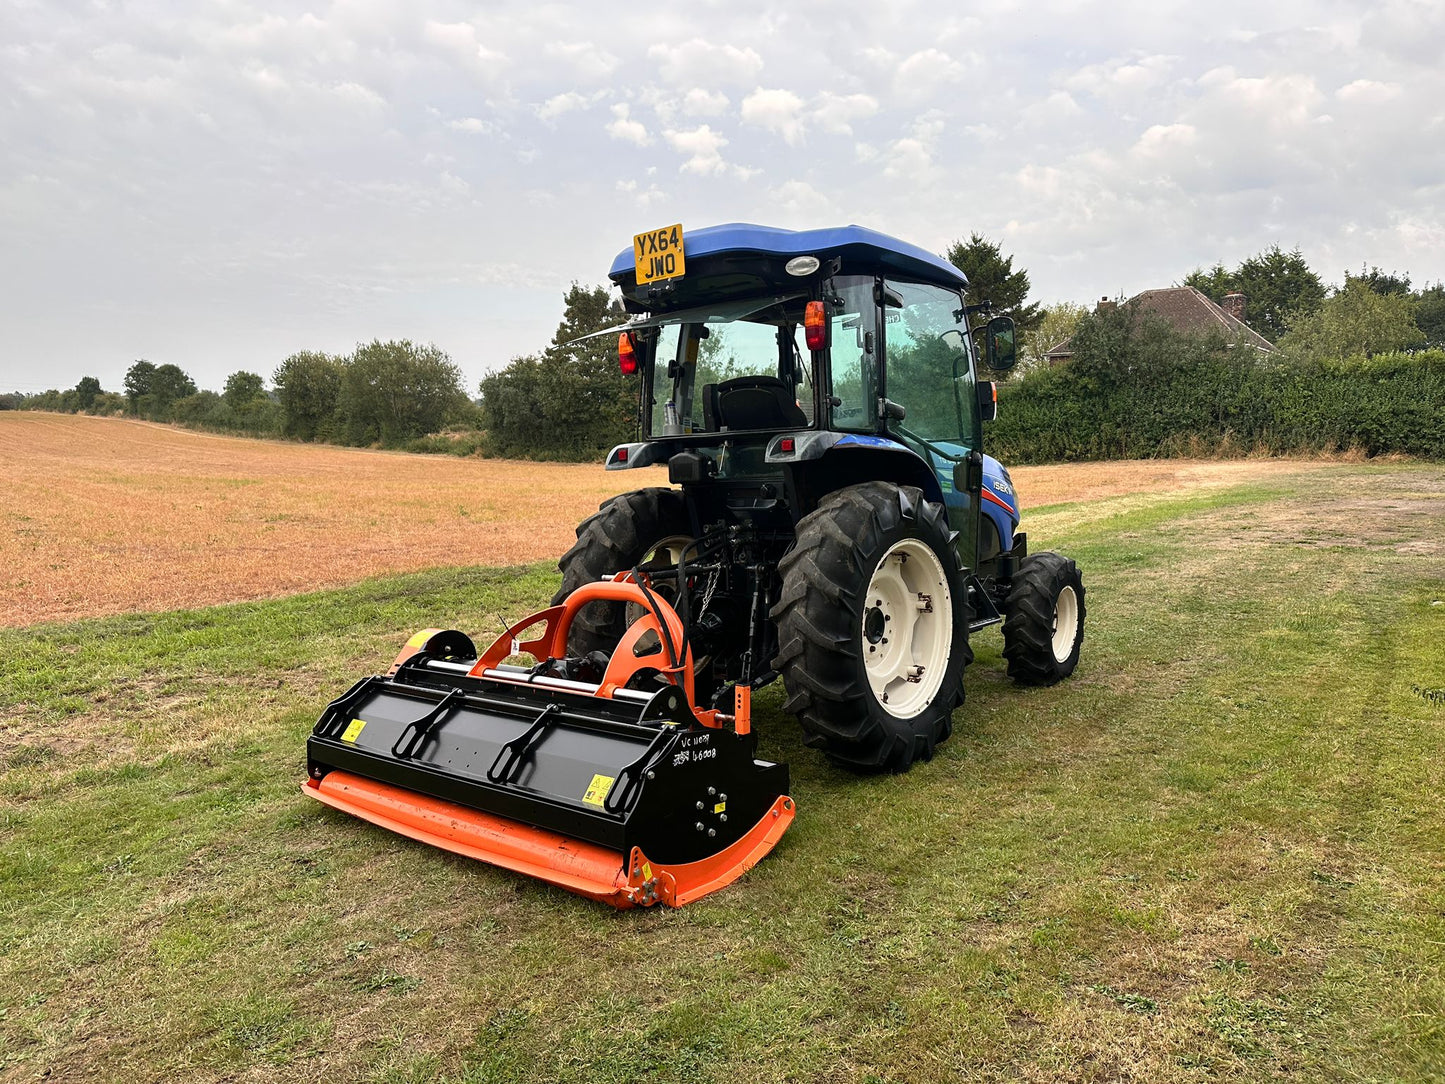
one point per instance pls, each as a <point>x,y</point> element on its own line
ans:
<point>850,242</point>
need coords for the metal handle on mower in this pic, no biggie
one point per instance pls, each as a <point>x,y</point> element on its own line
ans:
<point>618,797</point>
<point>512,753</point>
<point>414,734</point>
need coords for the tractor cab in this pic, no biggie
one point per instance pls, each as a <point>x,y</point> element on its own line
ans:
<point>804,361</point>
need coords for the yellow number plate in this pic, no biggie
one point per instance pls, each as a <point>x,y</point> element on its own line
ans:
<point>657,254</point>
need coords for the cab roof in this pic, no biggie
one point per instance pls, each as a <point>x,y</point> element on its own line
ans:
<point>858,246</point>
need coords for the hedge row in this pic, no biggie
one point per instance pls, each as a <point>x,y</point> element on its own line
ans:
<point>1156,393</point>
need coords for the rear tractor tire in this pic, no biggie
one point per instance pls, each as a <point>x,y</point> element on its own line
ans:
<point>873,627</point>
<point>637,528</point>
<point>1043,627</point>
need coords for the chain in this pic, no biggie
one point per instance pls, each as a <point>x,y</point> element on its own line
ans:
<point>707,594</point>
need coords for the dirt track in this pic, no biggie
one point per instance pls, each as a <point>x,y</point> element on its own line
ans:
<point>104,516</point>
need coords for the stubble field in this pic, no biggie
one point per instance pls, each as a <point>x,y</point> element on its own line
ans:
<point>1212,854</point>
<point>107,515</point>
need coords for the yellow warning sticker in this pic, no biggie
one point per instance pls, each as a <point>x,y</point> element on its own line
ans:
<point>598,788</point>
<point>647,871</point>
<point>353,730</point>
<point>721,807</point>
<point>420,639</point>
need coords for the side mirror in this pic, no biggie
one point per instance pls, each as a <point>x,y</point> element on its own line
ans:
<point>999,347</point>
<point>953,340</point>
<point>968,473</point>
<point>987,400</point>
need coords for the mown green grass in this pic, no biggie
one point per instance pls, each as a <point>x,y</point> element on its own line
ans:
<point>1215,853</point>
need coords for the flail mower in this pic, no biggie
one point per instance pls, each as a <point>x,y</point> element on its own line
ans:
<point>831,521</point>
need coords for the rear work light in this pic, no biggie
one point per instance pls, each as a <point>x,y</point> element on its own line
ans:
<point>815,325</point>
<point>626,354</point>
<point>787,445</point>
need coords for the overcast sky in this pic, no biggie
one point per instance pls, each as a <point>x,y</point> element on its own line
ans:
<point>220,184</point>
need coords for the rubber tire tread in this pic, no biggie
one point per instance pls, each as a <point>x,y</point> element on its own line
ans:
<point>1028,625</point>
<point>614,538</point>
<point>819,615</point>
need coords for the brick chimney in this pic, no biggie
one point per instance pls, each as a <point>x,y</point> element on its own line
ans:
<point>1234,305</point>
<point>1105,305</point>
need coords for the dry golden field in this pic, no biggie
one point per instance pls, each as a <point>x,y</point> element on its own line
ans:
<point>105,515</point>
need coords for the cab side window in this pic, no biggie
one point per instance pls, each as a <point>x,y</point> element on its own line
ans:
<point>854,340</point>
<point>927,373</point>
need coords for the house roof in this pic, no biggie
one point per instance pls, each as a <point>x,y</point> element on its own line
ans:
<point>1186,309</point>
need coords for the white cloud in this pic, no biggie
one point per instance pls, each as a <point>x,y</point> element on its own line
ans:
<point>1368,92</point>
<point>461,40</point>
<point>623,127</point>
<point>778,111</point>
<point>801,198</point>
<point>704,103</point>
<point>702,146</point>
<point>453,185</point>
<point>1122,77</point>
<point>559,104</point>
<point>925,74</point>
<point>643,197</point>
<point>1161,139</point>
<point>1058,106</point>
<point>699,62</point>
<point>472,126</point>
<point>584,60</point>
<point>838,113</point>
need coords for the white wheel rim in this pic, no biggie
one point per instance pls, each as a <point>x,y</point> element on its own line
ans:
<point>664,554</point>
<point>668,550</point>
<point>1066,624</point>
<point>907,628</point>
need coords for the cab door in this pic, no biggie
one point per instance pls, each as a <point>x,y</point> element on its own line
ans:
<point>928,368</point>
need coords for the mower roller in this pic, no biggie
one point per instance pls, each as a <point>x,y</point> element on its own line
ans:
<point>630,797</point>
<point>830,521</point>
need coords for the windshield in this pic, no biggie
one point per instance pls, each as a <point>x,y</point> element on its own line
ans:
<point>733,367</point>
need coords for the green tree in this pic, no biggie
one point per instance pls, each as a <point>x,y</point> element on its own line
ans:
<point>108,404</point>
<point>169,384</point>
<point>86,391</point>
<point>1214,283</point>
<point>1356,320</point>
<point>1430,314</point>
<point>571,401</point>
<point>1056,324</point>
<point>1277,286</point>
<point>242,389</point>
<point>392,392</point>
<point>139,380</point>
<point>308,384</point>
<point>1384,282</point>
<point>991,277</point>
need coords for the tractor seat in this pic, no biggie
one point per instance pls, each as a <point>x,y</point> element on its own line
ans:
<point>751,402</point>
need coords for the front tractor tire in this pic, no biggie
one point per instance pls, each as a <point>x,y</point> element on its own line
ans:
<point>633,529</point>
<point>1043,627</point>
<point>872,627</point>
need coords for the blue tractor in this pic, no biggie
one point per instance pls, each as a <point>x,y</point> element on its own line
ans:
<point>833,519</point>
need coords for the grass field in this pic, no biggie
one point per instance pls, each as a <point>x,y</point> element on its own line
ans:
<point>109,515</point>
<point>1215,853</point>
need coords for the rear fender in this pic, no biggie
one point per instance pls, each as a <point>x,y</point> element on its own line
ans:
<point>821,463</point>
